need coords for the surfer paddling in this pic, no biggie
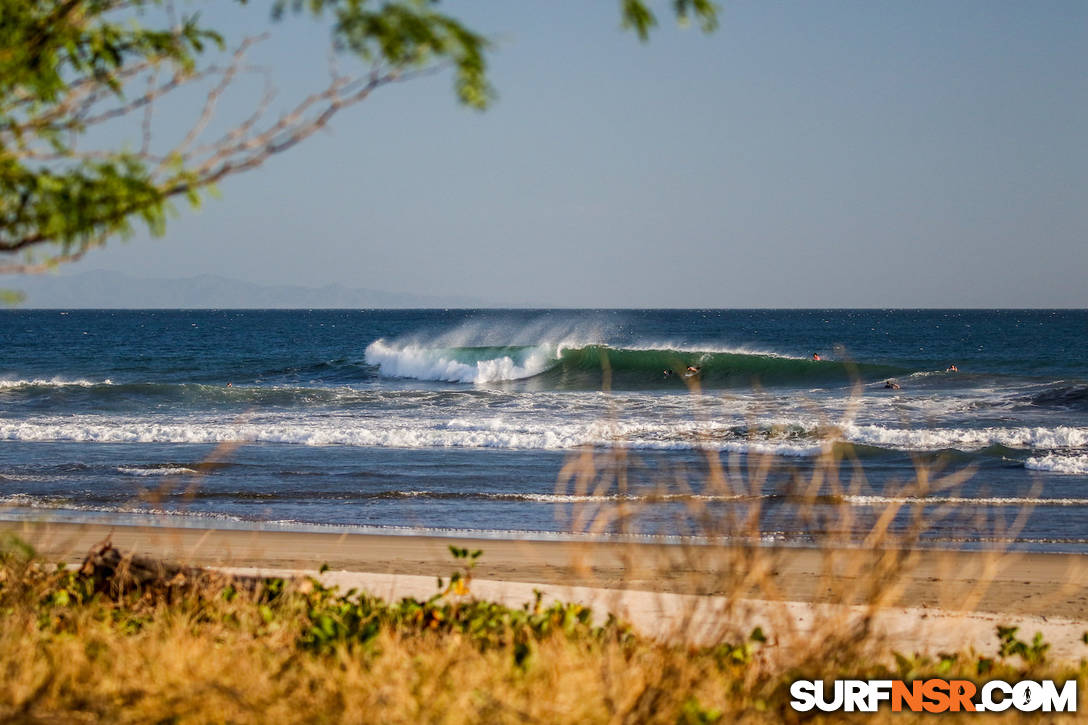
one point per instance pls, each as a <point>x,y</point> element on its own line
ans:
<point>816,356</point>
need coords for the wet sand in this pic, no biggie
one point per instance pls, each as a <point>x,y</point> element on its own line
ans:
<point>1036,584</point>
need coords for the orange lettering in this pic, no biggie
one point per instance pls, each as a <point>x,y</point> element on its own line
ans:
<point>961,693</point>
<point>912,695</point>
<point>937,700</point>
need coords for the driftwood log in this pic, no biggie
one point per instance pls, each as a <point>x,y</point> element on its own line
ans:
<point>115,574</point>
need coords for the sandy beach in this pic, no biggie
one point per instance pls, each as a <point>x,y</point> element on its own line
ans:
<point>1047,585</point>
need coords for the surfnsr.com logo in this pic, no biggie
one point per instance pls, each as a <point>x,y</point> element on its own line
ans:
<point>933,695</point>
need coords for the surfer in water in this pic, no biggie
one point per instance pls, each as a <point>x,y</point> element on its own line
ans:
<point>668,373</point>
<point>952,368</point>
<point>693,370</point>
<point>891,385</point>
<point>816,356</point>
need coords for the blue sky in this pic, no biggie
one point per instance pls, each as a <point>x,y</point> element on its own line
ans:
<point>830,154</point>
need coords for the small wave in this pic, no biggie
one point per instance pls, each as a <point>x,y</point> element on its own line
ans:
<point>405,434</point>
<point>51,383</point>
<point>1057,463</point>
<point>19,499</point>
<point>155,470</point>
<point>561,497</point>
<point>117,512</point>
<point>1068,397</point>
<point>795,439</point>
<point>963,501</point>
<point>59,511</point>
<point>140,395</point>
<point>967,438</point>
<point>24,477</point>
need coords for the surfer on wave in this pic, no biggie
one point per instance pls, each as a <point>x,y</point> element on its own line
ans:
<point>816,356</point>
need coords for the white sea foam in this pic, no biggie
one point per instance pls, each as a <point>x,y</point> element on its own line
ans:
<point>710,349</point>
<point>155,470</point>
<point>117,513</point>
<point>433,357</point>
<point>52,383</point>
<point>66,511</point>
<point>540,422</point>
<point>967,438</point>
<point>28,477</point>
<point>964,501</point>
<point>18,499</point>
<point>1056,463</point>
<point>574,498</point>
<point>403,433</point>
<point>429,363</point>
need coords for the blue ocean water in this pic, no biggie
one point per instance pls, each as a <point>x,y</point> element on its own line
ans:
<point>454,420</point>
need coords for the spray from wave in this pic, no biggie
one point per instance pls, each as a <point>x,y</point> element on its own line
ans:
<point>460,364</point>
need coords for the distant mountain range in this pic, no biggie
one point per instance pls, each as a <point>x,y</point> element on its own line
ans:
<point>115,290</point>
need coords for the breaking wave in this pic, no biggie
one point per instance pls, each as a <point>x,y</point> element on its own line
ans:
<point>1058,463</point>
<point>384,433</point>
<point>575,366</point>
<point>1037,437</point>
<point>1057,449</point>
<point>463,364</point>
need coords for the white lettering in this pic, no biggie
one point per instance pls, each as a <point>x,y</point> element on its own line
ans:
<point>879,691</point>
<point>855,697</point>
<point>836,702</point>
<point>1065,701</point>
<point>988,702</point>
<point>803,693</point>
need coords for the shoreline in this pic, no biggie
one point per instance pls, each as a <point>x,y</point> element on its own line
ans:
<point>13,515</point>
<point>1038,584</point>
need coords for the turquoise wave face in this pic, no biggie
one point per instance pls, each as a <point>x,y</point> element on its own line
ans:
<point>645,368</point>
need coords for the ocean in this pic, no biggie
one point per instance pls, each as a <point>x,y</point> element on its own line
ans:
<point>467,422</point>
